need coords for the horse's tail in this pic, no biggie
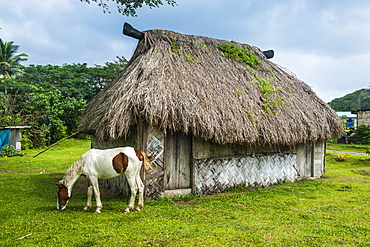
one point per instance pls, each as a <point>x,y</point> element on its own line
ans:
<point>147,160</point>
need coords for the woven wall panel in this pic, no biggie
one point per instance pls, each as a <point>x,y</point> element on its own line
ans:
<point>216,175</point>
<point>154,179</point>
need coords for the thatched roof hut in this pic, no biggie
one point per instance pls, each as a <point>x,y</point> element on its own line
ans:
<point>195,85</point>
<point>214,90</point>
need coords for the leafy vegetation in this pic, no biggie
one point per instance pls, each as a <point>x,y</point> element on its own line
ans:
<point>187,56</point>
<point>175,47</point>
<point>129,8</point>
<point>332,211</point>
<point>362,134</point>
<point>10,63</point>
<point>357,100</point>
<point>240,54</point>
<point>51,98</point>
<point>10,151</point>
<point>265,86</point>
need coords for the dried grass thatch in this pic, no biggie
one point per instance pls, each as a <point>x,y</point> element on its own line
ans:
<point>186,83</point>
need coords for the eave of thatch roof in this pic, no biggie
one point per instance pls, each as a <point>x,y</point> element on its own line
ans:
<point>186,83</point>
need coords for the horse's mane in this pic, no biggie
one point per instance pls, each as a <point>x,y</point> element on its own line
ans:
<point>72,171</point>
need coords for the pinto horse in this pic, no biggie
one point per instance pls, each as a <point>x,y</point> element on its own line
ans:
<point>105,164</point>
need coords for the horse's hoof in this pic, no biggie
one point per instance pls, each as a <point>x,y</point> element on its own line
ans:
<point>97,212</point>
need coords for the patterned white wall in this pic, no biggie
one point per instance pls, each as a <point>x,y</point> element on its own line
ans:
<point>215,175</point>
<point>154,179</point>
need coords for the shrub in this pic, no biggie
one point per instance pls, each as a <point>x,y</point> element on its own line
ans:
<point>362,135</point>
<point>10,151</point>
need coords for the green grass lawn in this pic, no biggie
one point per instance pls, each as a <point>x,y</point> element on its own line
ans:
<point>359,148</point>
<point>332,211</point>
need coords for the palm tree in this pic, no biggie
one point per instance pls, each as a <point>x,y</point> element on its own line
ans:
<point>9,62</point>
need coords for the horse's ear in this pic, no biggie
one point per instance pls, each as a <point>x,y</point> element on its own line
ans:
<point>139,154</point>
<point>150,158</point>
<point>60,185</point>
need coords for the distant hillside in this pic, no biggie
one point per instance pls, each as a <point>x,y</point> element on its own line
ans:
<point>357,100</point>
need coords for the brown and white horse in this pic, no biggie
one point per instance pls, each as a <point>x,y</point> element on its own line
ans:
<point>105,164</point>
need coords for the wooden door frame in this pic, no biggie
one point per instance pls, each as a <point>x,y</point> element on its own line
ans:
<point>178,147</point>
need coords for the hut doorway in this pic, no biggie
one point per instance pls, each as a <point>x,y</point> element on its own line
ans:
<point>178,162</point>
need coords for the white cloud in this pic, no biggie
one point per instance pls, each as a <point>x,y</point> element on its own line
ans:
<point>330,77</point>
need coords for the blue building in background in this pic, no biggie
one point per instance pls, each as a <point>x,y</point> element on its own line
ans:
<point>349,119</point>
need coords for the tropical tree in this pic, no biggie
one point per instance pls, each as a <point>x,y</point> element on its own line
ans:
<point>128,7</point>
<point>9,61</point>
<point>51,98</point>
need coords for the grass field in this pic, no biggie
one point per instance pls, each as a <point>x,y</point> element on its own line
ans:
<point>359,148</point>
<point>332,211</point>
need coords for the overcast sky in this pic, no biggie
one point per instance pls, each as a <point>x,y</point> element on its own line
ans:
<point>326,43</point>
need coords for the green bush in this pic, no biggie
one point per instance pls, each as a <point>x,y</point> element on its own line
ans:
<point>51,98</point>
<point>10,151</point>
<point>362,135</point>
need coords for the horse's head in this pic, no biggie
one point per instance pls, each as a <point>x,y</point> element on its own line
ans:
<point>63,196</point>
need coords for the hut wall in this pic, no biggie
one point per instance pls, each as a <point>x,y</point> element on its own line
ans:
<point>311,159</point>
<point>319,159</point>
<point>186,162</point>
<point>174,164</point>
<point>363,117</point>
<point>154,179</point>
<point>217,167</point>
<point>217,174</point>
<point>304,160</point>
<point>203,149</point>
<point>178,161</point>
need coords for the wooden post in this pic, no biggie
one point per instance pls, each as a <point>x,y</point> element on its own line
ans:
<point>55,144</point>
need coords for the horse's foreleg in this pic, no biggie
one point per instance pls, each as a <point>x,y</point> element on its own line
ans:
<point>89,196</point>
<point>131,181</point>
<point>95,185</point>
<point>141,192</point>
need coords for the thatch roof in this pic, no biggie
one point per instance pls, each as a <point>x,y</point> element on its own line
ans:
<point>201,86</point>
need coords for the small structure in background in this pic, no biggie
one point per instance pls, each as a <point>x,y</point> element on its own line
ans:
<point>12,135</point>
<point>349,119</point>
<point>363,117</point>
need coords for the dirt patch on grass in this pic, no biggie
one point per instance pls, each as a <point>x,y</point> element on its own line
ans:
<point>364,172</point>
<point>346,152</point>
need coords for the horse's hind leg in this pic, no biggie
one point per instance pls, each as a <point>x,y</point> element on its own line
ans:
<point>141,192</point>
<point>89,196</point>
<point>131,181</point>
<point>95,185</point>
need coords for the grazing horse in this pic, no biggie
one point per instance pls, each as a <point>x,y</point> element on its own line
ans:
<point>105,164</point>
